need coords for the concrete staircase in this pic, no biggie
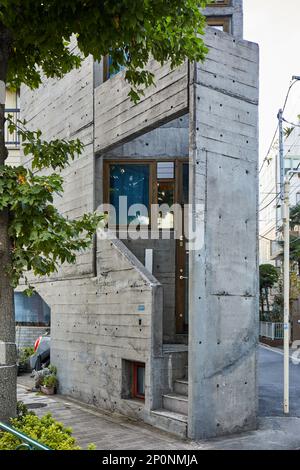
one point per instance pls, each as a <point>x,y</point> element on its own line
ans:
<point>173,416</point>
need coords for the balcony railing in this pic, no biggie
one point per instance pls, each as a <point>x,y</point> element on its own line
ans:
<point>12,140</point>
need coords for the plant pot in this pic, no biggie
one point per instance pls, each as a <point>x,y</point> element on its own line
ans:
<point>47,390</point>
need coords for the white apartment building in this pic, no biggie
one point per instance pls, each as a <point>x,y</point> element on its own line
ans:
<point>270,218</point>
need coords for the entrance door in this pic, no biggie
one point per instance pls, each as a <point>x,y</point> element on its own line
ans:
<point>182,256</point>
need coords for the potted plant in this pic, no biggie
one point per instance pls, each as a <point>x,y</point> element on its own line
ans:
<point>24,355</point>
<point>49,384</point>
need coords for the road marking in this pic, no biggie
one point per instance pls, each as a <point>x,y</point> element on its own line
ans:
<point>269,348</point>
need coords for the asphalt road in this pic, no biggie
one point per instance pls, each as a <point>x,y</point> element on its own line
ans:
<point>271,384</point>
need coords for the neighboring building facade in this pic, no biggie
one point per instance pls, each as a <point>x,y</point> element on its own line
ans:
<point>154,328</point>
<point>270,215</point>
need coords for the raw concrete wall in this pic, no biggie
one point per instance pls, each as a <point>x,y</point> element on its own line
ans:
<point>98,323</point>
<point>164,255</point>
<point>118,119</point>
<point>223,270</point>
<point>64,109</point>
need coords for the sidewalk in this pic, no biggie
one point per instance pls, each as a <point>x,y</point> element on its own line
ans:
<point>114,432</point>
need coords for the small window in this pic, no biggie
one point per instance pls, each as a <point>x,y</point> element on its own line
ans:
<point>138,385</point>
<point>219,3</point>
<point>133,380</point>
<point>165,194</point>
<point>298,198</point>
<point>222,23</point>
<point>108,71</point>
<point>165,170</point>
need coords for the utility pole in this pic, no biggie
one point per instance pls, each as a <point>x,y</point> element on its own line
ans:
<point>286,293</point>
<point>281,156</point>
<point>284,196</point>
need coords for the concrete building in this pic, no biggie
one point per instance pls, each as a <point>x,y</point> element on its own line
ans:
<point>155,328</point>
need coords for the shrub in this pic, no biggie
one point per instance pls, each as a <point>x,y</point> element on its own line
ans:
<point>45,430</point>
<point>52,369</point>
<point>49,381</point>
<point>24,355</point>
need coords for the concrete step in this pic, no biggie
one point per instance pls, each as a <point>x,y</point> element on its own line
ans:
<point>181,387</point>
<point>174,423</point>
<point>176,402</point>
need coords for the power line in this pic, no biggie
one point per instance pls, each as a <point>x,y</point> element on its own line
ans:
<point>269,240</point>
<point>275,133</point>
<point>260,210</point>
<point>291,123</point>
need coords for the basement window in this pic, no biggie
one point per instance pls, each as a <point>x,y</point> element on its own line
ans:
<point>138,380</point>
<point>133,380</point>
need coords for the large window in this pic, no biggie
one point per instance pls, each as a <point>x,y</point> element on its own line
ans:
<point>142,184</point>
<point>31,311</point>
<point>130,181</point>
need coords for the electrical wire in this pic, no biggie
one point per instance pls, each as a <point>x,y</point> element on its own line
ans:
<point>269,240</point>
<point>260,210</point>
<point>291,123</point>
<point>275,133</point>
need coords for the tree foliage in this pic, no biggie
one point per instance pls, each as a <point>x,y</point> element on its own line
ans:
<point>41,237</point>
<point>129,30</point>
<point>46,430</point>
<point>268,276</point>
<point>49,38</point>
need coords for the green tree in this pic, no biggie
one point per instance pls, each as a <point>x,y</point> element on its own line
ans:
<point>35,41</point>
<point>268,277</point>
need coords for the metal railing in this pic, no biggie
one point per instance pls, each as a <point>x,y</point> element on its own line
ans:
<point>27,443</point>
<point>12,139</point>
<point>271,330</point>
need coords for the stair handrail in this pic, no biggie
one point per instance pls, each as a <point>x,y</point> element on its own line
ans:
<point>27,442</point>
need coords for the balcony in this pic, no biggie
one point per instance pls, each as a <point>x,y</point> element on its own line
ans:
<point>12,140</point>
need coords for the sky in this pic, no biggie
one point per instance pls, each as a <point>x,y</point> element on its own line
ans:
<point>274,25</point>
